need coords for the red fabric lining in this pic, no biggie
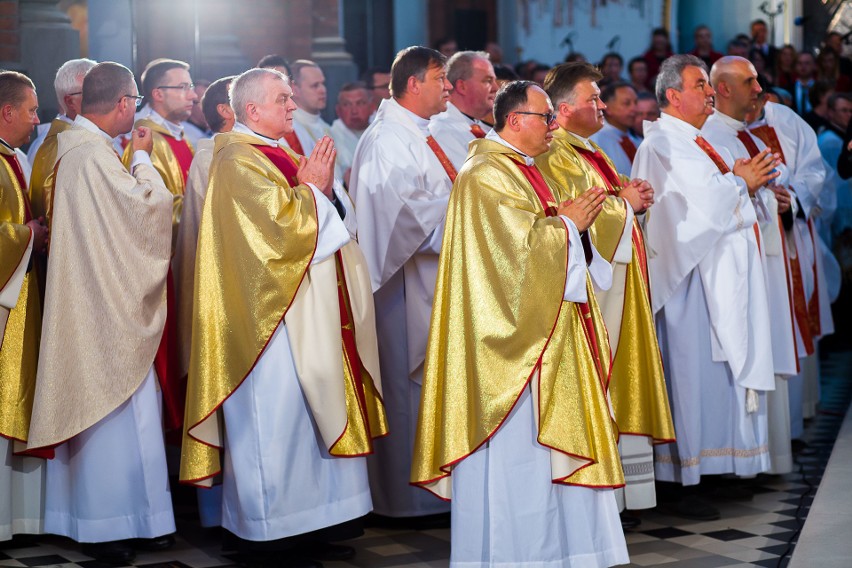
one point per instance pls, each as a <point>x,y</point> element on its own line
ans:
<point>183,154</point>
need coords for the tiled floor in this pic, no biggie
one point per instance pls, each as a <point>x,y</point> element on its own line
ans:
<point>758,532</point>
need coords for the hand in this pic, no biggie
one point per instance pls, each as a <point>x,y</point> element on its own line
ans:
<point>584,210</point>
<point>318,168</point>
<point>40,235</point>
<point>782,197</point>
<point>639,194</point>
<point>141,139</point>
<point>758,171</point>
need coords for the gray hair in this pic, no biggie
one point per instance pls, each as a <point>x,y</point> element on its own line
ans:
<point>69,79</point>
<point>250,88</point>
<point>460,65</point>
<point>671,75</point>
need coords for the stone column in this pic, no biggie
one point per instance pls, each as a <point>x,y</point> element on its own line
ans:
<point>328,50</point>
<point>219,53</point>
<point>47,41</point>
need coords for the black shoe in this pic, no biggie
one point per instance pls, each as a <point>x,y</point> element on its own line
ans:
<point>695,508</point>
<point>329,552</point>
<point>629,521</point>
<point>117,551</point>
<point>153,544</point>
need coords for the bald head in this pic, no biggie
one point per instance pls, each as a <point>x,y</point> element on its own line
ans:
<point>735,81</point>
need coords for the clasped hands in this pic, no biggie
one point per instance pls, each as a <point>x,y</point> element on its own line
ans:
<point>758,171</point>
<point>584,209</point>
<point>639,194</point>
<point>41,235</point>
<point>318,168</point>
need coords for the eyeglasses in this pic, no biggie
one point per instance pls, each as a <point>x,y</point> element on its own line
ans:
<point>548,117</point>
<point>74,94</point>
<point>185,87</point>
<point>138,98</point>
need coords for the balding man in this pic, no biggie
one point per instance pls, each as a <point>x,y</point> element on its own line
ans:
<point>23,240</point>
<point>69,94</point>
<point>302,375</point>
<point>474,86</point>
<point>97,402</point>
<point>401,180</point>
<point>709,291</point>
<point>735,81</point>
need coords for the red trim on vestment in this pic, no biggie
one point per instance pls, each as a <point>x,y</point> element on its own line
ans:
<point>477,131</point>
<point>294,143</point>
<point>442,157</point>
<point>183,153</point>
<point>629,147</point>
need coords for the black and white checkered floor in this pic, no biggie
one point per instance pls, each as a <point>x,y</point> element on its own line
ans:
<point>761,531</point>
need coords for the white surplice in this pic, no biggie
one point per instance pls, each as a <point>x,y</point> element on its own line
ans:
<point>400,191</point>
<point>609,139</point>
<point>345,140</point>
<point>721,131</point>
<point>709,291</point>
<point>451,129</point>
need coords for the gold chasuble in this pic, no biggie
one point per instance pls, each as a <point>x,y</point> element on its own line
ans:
<point>256,241</point>
<point>637,389</point>
<point>499,324</point>
<point>41,180</point>
<point>20,324</point>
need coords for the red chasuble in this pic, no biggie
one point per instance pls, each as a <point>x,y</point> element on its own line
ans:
<point>183,153</point>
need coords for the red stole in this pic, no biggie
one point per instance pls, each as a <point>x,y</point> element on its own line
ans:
<point>597,161</point>
<point>545,196</point>
<point>628,146</point>
<point>723,167</point>
<point>768,136</point>
<point>293,142</point>
<point>749,143</point>
<point>13,162</point>
<point>282,160</point>
<point>477,131</point>
<point>183,153</point>
<point>442,157</point>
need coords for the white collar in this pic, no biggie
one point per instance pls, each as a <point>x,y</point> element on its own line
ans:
<point>243,129</point>
<point>493,136</point>
<point>670,122</point>
<point>176,130</point>
<point>64,118</point>
<point>729,121</point>
<point>421,123</point>
<point>582,139</point>
<point>84,122</point>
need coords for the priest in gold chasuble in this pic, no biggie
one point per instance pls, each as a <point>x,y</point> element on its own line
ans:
<point>515,426</point>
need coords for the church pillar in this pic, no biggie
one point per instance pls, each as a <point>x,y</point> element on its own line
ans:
<point>328,50</point>
<point>218,48</point>
<point>47,41</point>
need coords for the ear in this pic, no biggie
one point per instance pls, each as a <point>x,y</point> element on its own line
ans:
<point>513,122</point>
<point>251,111</point>
<point>225,110</point>
<point>564,109</point>
<point>722,89</point>
<point>460,87</point>
<point>413,85</point>
<point>6,112</point>
<point>69,102</point>
<point>673,96</point>
<point>157,95</point>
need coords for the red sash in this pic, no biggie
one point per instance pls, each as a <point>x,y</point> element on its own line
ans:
<point>628,146</point>
<point>477,131</point>
<point>545,196</point>
<point>442,157</point>
<point>293,142</point>
<point>597,161</point>
<point>183,153</point>
<point>749,143</point>
<point>768,136</point>
<point>13,162</point>
<point>282,160</point>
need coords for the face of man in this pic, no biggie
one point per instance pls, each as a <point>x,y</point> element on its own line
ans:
<point>380,88</point>
<point>478,91</point>
<point>805,66</point>
<point>639,72</point>
<point>621,109</point>
<point>21,119</point>
<point>353,108</point>
<point>175,96</point>
<point>758,33</point>
<point>535,134</point>
<point>309,91</point>
<point>449,48</point>
<point>587,115</point>
<point>611,68</point>
<point>695,100</point>
<point>273,117</point>
<point>743,89</point>
<point>73,102</point>
<point>646,109</point>
<point>434,91</point>
<point>197,115</point>
<point>703,39</point>
<point>659,43</point>
<point>841,113</point>
<point>127,108</point>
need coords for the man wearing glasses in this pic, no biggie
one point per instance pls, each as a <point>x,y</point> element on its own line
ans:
<point>514,421</point>
<point>96,409</point>
<point>637,386</point>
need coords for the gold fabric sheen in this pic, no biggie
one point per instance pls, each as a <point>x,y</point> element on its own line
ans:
<point>256,240</point>
<point>637,389</point>
<point>41,180</point>
<point>105,304</point>
<point>20,339</point>
<point>497,317</point>
<point>165,163</point>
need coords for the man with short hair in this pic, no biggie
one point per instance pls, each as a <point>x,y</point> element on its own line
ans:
<point>353,117</point>
<point>304,368</point>
<point>275,61</point>
<point>647,110</point>
<point>97,402</point>
<point>195,127</point>
<point>401,180</point>
<point>735,81</point>
<point>24,240</point>
<point>709,290</point>
<point>474,86</point>
<point>614,137</point>
<point>637,74</point>
<point>703,49</point>
<point>637,386</point>
<point>69,94</point>
<point>760,41</point>
<point>611,66</point>
<point>515,426</point>
<point>377,81</point>
<point>310,94</point>
<point>806,70</point>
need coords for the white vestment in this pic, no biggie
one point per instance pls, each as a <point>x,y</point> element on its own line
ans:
<point>451,129</point>
<point>721,131</point>
<point>309,128</point>
<point>345,141</point>
<point>400,191</point>
<point>609,139</point>
<point>708,286</point>
<point>194,134</point>
<point>278,479</point>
